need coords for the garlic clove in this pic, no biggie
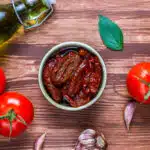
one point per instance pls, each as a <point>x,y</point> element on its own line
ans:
<point>85,137</point>
<point>101,142</point>
<point>78,146</point>
<point>129,113</point>
<point>89,131</point>
<point>84,148</point>
<point>90,146</point>
<point>39,142</point>
<point>88,142</point>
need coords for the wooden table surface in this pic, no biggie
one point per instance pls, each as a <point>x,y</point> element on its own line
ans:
<point>76,20</point>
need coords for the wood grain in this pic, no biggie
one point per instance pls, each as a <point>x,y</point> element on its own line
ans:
<point>77,21</point>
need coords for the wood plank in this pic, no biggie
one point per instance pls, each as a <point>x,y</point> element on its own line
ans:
<point>21,68</point>
<point>77,21</point>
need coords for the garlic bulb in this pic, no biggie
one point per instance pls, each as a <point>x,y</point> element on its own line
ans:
<point>89,140</point>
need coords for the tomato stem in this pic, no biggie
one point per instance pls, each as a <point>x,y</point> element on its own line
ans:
<point>147,95</point>
<point>143,81</point>
<point>2,117</point>
<point>11,116</point>
<point>21,120</point>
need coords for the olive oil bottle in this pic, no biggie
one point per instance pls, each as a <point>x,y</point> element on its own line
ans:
<point>21,15</point>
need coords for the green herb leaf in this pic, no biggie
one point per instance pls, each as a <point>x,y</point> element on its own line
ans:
<point>110,33</point>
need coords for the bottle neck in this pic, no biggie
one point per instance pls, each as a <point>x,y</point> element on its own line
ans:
<point>24,6</point>
<point>32,13</point>
<point>20,10</point>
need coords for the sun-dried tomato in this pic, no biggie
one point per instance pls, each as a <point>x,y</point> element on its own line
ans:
<point>70,100</point>
<point>92,78</point>
<point>65,88</point>
<point>81,99</point>
<point>64,68</point>
<point>94,83</point>
<point>82,52</point>
<point>55,92</point>
<point>95,78</point>
<point>74,77</point>
<point>86,80</point>
<point>76,80</point>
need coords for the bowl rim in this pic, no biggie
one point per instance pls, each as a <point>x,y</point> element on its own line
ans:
<point>55,49</point>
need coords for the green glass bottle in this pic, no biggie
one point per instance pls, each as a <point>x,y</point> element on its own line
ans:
<point>21,15</point>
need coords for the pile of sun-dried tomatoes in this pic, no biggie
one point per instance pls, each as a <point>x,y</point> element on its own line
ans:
<point>73,78</point>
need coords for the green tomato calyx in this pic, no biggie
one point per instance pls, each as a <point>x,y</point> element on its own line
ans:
<point>12,116</point>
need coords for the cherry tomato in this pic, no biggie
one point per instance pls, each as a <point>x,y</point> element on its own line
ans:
<point>16,113</point>
<point>138,82</point>
<point>2,81</point>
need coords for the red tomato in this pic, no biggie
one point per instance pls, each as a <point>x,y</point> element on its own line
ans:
<point>138,82</point>
<point>17,109</point>
<point>2,81</point>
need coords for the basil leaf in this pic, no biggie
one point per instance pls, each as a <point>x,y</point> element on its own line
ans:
<point>110,33</point>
